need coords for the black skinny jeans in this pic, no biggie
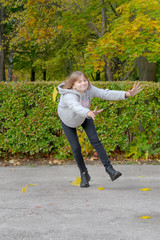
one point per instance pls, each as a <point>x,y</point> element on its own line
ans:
<point>91,132</point>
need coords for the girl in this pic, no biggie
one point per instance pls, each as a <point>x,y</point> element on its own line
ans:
<point>73,109</point>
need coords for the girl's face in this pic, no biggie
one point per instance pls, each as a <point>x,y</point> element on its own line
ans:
<point>81,84</point>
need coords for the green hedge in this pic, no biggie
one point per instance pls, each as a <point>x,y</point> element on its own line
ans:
<point>29,122</point>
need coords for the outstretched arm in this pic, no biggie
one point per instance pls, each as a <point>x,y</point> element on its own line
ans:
<point>136,89</point>
<point>130,93</point>
<point>93,114</point>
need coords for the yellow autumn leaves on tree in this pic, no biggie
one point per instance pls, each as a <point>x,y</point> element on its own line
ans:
<point>90,36</point>
<point>135,32</point>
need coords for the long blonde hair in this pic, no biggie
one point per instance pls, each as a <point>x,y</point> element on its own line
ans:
<point>72,78</point>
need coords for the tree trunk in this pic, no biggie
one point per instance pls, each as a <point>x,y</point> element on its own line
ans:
<point>10,67</point>
<point>147,71</point>
<point>44,74</point>
<point>126,76</point>
<point>92,77</point>
<point>108,72</point>
<point>105,72</point>
<point>104,18</point>
<point>32,75</point>
<point>107,67</point>
<point>98,75</point>
<point>2,51</point>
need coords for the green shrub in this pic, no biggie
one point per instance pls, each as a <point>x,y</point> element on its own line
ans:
<point>131,125</point>
<point>28,119</point>
<point>29,122</point>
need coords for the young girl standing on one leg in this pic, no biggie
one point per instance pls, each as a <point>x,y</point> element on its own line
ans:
<point>73,110</point>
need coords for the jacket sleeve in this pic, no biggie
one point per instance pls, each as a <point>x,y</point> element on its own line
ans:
<point>107,94</point>
<point>72,102</point>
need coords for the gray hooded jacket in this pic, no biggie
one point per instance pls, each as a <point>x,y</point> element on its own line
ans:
<point>74,106</point>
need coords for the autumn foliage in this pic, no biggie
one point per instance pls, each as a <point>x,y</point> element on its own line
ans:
<point>61,36</point>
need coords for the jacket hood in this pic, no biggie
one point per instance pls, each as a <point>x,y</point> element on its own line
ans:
<point>63,91</point>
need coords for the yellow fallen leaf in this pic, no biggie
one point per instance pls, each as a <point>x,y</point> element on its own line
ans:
<point>145,217</point>
<point>24,189</point>
<point>100,188</point>
<point>147,154</point>
<point>145,189</point>
<point>54,94</point>
<point>77,182</point>
<point>141,176</point>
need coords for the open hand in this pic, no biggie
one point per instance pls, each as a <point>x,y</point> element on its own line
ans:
<point>136,89</point>
<point>92,114</point>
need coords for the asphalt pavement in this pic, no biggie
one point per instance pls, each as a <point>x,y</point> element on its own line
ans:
<point>51,208</point>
